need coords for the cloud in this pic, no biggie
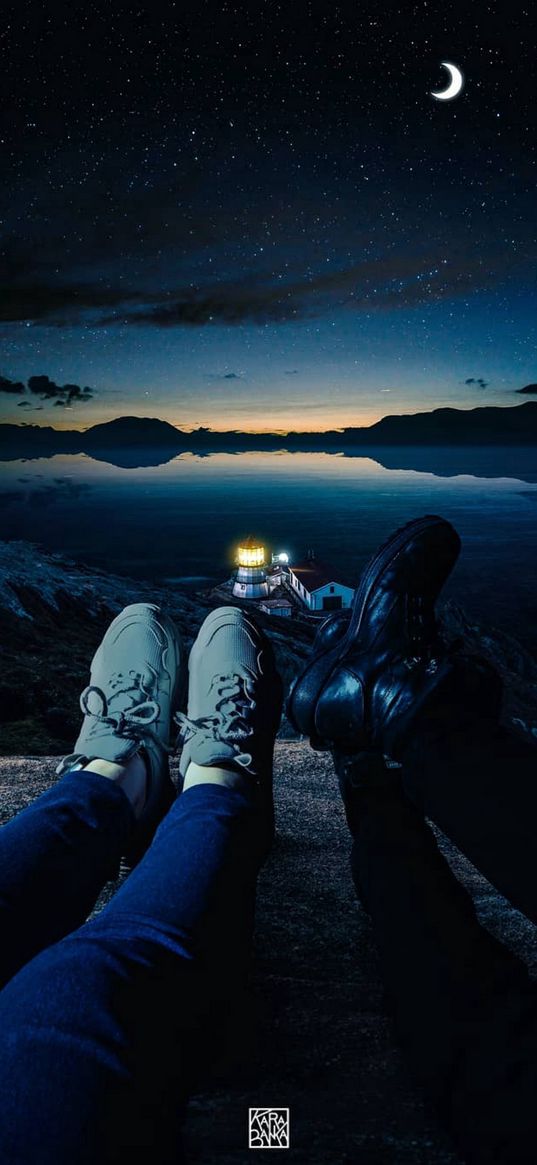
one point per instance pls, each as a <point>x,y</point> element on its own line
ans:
<point>385,284</point>
<point>528,390</point>
<point>478,381</point>
<point>14,387</point>
<point>224,376</point>
<point>67,394</point>
<point>230,306</point>
<point>44,389</point>
<point>43,386</point>
<point>77,395</point>
<point>390,282</point>
<point>47,301</point>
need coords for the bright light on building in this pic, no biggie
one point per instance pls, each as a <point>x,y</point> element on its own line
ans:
<point>251,556</point>
<point>283,558</point>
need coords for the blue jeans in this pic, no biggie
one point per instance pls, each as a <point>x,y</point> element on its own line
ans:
<point>97,1023</point>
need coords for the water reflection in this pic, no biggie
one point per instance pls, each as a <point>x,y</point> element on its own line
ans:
<point>442,461</point>
<point>184,517</point>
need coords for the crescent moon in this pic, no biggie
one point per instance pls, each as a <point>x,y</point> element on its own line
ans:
<point>456,82</point>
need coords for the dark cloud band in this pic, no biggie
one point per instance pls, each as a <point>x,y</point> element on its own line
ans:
<point>384,284</point>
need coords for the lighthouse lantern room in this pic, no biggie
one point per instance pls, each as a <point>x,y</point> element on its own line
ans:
<point>251,577</point>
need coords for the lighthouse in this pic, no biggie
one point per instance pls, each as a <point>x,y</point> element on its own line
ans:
<point>251,577</point>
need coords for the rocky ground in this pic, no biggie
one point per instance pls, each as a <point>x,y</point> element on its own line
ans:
<point>317,1038</point>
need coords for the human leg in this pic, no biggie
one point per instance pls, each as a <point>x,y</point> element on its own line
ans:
<point>464,1008</point>
<point>57,854</point>
<point>55,858</point>
<point>381,670</point>
<point>377,686</point>
<point>380,676</point>
<point>478,783</point>
<point>95,1032</point>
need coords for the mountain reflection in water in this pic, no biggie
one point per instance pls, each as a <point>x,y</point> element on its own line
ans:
<point>183,517</point>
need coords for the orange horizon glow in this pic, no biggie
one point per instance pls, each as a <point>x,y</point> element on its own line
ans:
<point>279,427</point>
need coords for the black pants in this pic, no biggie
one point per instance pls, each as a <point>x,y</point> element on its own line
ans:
<point>464,1007</point>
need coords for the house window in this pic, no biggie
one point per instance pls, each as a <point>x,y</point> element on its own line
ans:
<point>332,589</point>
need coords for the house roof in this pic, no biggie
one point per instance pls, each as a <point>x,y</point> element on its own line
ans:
<point>314,574</point>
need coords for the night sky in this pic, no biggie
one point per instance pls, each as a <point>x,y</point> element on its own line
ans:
<point>257,215</point>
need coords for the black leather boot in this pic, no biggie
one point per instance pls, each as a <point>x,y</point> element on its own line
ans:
<point>370,677</point>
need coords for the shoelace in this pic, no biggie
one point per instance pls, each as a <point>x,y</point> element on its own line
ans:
<point>133,723</point>
<point>229,724</point>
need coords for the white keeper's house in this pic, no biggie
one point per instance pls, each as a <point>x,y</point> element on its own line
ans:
<point>316,587</point>
<point>283,589</point>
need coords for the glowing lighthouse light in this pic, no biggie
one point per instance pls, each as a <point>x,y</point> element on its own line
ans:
<point>251,577</point>
<point>251,556</point>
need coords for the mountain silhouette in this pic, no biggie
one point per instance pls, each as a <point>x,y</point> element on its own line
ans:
<point>135,441</point>
<point>131,431</point>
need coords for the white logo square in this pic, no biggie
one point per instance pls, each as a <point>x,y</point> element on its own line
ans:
<point>268,1128</point>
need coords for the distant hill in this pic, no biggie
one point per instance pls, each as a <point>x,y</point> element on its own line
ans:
<point>480,426</point>
<point>127,436</point>
<point>132,431</point>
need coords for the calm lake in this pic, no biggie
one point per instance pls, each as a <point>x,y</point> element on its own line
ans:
<point>182,520</point>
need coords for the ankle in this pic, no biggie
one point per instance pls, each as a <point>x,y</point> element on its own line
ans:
<point>229,778</point>
<point>130,777</point>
